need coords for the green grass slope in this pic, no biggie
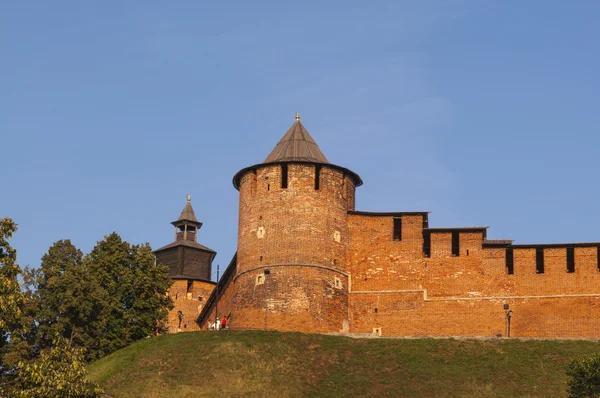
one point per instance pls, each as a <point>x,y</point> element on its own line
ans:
<point>265,364</point>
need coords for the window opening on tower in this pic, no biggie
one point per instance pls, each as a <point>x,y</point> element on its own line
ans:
<point>570,259</point>
<point>427,244</point>
<point>509,261</point>
<point>539,260</point>
<point>397,228</point>
<point>317,177</point>
<point>284,176</point>
<point>455,243</point>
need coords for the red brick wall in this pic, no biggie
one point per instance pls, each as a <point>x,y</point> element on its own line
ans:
<point>465,294</point>
<point>292,298</point>
<point>307,240</point>
<point>292,228</point>
<point>407,314</point>
<point>189,304</point>
<point>224,308</point>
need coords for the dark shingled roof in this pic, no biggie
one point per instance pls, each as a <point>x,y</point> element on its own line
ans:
<point>296,146</point>
<point>187,243</point>
<point>188,213</point>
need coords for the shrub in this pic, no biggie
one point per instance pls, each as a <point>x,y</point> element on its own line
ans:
<point>584,377</point>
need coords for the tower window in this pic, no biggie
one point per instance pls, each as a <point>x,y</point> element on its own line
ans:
<point>190,285</point>
<point>317,177</point>
<point>427,244</point>
<point>398,228</point>
<point>570,259</point>
<point>253,182</point>
<point>509,259</point>
<point>284,176</point>
<point>260,279</point>
<point>539,260</point>
<point>455,243</point>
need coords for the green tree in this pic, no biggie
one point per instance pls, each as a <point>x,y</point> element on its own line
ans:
<point>584,377</point>
<point>101,302</point>
<point>65,297</point>
<point>132,291</point>
<point>12,327</point>
<point>58,372</point>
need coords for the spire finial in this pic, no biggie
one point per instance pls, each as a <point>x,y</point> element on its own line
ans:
<point>297,117</point>
<point>189,198</point>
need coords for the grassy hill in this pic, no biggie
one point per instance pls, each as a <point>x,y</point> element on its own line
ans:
<point>244,363</point>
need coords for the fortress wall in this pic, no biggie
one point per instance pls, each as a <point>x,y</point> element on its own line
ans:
<point>294,225</point>
<point>406,314</point>
<point>394,286</point>
<point>189,302</point>
<point>290,231</point>
<point>495,261</point>
<point>291,298</point>
<point>224,308</point>
<point>555,279</point>
<point>441,245</point>
<point>220,302</point>
<point>377,261</point>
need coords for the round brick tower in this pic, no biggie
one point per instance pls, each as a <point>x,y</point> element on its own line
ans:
<point>292,239</point>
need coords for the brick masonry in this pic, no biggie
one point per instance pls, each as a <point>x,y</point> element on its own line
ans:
<point>308,262</point>
<point>189,297</point>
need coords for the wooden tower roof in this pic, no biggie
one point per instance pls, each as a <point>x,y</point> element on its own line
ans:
<point>296,146</point>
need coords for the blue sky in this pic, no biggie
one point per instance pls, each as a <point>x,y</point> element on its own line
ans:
<point>482,112</point>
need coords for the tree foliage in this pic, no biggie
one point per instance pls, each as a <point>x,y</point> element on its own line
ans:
<point>57,372</point>
<point>11,297</point>
<point>584,377</point>
<point>133,292</point>
<point>103,301</point>
<point>73,309</point>
<point>65,297</point>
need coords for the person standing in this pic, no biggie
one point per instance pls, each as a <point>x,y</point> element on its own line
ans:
<point>224,323</point>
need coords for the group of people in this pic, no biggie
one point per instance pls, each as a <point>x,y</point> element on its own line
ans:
<point>218,325</point>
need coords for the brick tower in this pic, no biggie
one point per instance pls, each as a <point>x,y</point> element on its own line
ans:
<point>292,239</point>
<point>190,266</point>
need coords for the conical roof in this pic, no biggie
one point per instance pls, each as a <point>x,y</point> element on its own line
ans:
<point>296,146</point>
<point>187,214</point>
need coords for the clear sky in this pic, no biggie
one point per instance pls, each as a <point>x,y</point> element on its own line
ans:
<point>482,112</point>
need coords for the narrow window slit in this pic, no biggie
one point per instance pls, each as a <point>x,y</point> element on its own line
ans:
<point>398,228</point>
<point>284,176</point>
<point>317,177</point>
<point>455,243</point>
<point>570,260</point>
<point>539,260</point>
<point>509,259</point>
<point>427,244</point>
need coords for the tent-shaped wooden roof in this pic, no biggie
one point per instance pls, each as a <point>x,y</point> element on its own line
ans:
<point>296,146</point>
